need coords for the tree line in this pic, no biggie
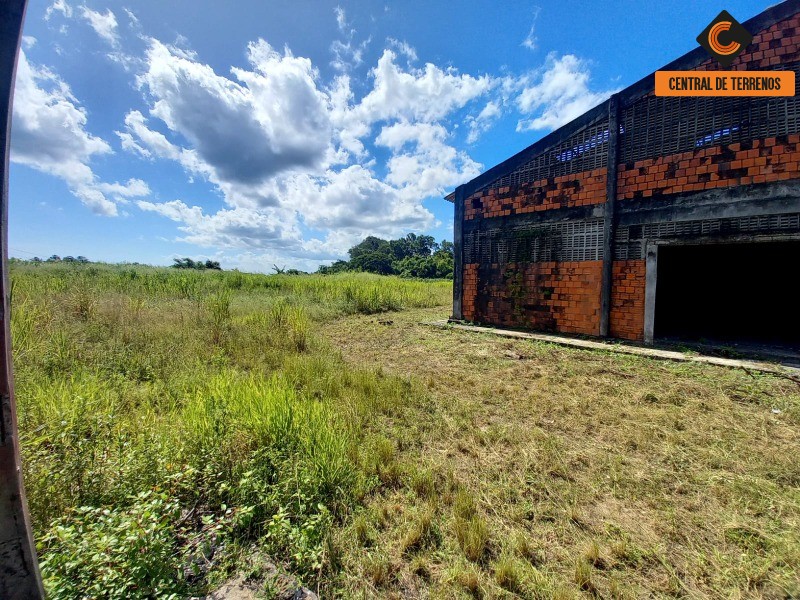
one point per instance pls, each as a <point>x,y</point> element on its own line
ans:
<point>56,258</point>
<point>198,265</point>
<point>179,263</point>
<point>409,256</point>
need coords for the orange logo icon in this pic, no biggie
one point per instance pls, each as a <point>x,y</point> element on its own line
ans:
<point>725,38</point>
<point>716,45</point>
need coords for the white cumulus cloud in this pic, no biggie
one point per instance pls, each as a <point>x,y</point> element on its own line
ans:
<point>425,94</point>
<point>484,121</point>
<point>49,134</point>
<point>61,6</point>
<point>301,167</point>
<point>347,53</point>
<point>558,93</point>
<point>228,228</point>
<point>288,154</point>
<point>307,167</point>
<point>269,120</point>
<point>104,24</point>
<point>422,163</point>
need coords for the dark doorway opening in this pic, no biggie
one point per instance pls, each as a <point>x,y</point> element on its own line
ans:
<point>729,293</point>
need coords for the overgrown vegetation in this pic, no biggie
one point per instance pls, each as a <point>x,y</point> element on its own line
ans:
<point>174,423</point>
<point>171,421</point>
<point>411,256</point>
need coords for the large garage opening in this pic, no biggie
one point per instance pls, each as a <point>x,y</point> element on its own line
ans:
<point>726,293</point>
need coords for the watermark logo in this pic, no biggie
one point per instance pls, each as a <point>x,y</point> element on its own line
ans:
<point>725,38</point>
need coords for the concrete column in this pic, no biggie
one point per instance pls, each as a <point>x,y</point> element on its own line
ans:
<point>458,251</point>
<point>610,214</point>
<point>651,280</point>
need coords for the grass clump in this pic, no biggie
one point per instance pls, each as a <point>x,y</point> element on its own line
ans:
<point>377,570</point>
<point>470,529</point>
<point>473,537</point>
<point>362,530</point>
<point>422,532</point>
<point>468,578</point>
<point>423,483</point>
<point>509,574</point>
<point>583,575</point>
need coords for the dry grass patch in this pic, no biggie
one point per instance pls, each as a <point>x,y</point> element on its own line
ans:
<point>576,473</point>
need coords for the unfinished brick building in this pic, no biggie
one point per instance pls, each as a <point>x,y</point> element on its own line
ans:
<point>647,217</point>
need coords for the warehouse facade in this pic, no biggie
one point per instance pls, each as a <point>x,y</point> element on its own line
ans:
<point>647,217</point>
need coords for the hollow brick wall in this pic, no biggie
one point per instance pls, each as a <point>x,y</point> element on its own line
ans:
<point>548,296</point>
<point>578,189</point>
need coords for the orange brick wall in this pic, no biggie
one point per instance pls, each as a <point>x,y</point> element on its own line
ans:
<point>742,163</point>
<point>469,293</point>
<point>578,189</point>
<point>548,296</point>
<point>627,300</point>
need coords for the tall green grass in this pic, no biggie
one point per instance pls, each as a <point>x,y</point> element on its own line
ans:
<point>345,292</point>
<point>169,416</point>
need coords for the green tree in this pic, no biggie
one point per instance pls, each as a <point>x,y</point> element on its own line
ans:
<point>446,247</point>
<point>412,245</point>
<point>185,263</point>
<point>373,262</point>
<point>339,266</point>
<point>369,245</point>
<point>438,266</point>
<point>409,256</point>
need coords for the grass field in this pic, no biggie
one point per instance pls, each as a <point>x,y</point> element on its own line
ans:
<point>176,424</point>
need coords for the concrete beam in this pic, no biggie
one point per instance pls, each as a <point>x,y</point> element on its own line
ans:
<point>720,203</point>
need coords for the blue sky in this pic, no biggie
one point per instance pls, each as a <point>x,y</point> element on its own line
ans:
<point>283,132</point>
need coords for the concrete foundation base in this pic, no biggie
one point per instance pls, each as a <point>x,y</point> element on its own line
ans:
<point>779,363</point>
